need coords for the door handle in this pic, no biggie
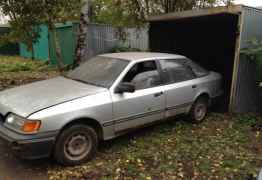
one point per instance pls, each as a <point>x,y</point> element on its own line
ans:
<point>194,86</point>
<point>158,94</point>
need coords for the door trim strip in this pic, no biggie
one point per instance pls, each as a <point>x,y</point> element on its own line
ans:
<point>122,120</point>
<point>125,119</point>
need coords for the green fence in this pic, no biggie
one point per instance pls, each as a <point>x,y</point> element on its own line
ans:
<point>66,36</point>
<point>41,48</point>
<point>44,48</point>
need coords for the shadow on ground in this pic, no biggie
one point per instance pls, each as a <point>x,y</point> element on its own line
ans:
<point>12,168</point>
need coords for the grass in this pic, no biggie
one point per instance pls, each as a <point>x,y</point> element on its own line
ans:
<point>15,71</point>
<point>17,64</point>
<point>223,147</point>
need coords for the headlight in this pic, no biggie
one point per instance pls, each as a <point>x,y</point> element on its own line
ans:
<point>22,125</point>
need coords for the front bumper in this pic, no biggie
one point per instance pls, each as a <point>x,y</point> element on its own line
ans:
<point>28,146</point>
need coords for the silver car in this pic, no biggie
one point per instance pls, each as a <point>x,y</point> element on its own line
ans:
<point>103,98</point>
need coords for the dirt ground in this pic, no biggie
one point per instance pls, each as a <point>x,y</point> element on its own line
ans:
<point>13,168</point>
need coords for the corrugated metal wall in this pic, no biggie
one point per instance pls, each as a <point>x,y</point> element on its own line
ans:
<point>248,94</point>
<point>100,38</point>
<point>136,38</point>
<point>65,33</point>
<point>252,27</point>
<point>104,38</point>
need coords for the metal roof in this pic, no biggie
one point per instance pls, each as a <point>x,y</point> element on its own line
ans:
<point>233,9</point>
<point>4,26</point>
<point>133,56</point>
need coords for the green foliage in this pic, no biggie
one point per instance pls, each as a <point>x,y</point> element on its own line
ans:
<point>24,20</point>
<point>132,13</point>
<point>249,120</point>
<point>254,53</point>
<point>27,15</point>
<point>117,13</point>
<point>54,11</point>
<point>254,48</point>
<point>17,64</point>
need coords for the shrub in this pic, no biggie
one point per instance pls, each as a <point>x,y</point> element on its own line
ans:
<point>16,64</point>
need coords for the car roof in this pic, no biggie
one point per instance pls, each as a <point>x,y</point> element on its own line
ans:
<point>135,56</point>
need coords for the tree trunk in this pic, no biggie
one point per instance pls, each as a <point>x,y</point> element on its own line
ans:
<point>33,52</point>
<point>81,47</point>
<point>147,8</point>
<point>58,52</point>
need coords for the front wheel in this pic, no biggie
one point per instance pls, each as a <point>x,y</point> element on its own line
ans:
<point>199,110</point>
<point>76,145</point>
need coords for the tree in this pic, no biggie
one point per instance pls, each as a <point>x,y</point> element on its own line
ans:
<point>27,15</point>
<point>3,18</point>
<point>81,45</point>
<point>23,20</point>
<point>135,12</point>
<point>58,11</point>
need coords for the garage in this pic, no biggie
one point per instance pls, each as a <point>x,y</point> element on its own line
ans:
<point>213,38</point>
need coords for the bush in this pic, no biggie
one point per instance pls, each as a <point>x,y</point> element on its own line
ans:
<point>248,120</point>
<point>254,53</point>
<point>16,64</point>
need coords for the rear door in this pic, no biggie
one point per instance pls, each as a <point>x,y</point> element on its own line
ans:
<point>179,88</point>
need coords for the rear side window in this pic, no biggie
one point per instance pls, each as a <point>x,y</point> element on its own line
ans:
<point>198,70</point>
<point>175,72</point>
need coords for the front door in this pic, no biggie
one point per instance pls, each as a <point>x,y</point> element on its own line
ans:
<point>146,104</point>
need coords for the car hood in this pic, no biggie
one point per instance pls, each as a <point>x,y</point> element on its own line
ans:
<point>27,99</point>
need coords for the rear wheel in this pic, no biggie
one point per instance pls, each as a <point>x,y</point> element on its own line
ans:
<point>199,110</point>
<point>76,145</point>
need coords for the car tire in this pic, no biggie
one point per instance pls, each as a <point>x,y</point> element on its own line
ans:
<point>76,145</point>
<point>199,110</point>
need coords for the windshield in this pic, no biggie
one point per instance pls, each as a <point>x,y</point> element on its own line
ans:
<point>99,71</point>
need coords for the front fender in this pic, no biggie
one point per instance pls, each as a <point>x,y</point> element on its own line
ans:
<point>98,107</point>
<point>202,92</point>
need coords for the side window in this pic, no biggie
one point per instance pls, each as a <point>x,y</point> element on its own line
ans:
<point>198,70</point>
<point>175,72</point>
<point>143,75</point>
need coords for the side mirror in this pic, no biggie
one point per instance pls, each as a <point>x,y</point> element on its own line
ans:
<point>125,87</point>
